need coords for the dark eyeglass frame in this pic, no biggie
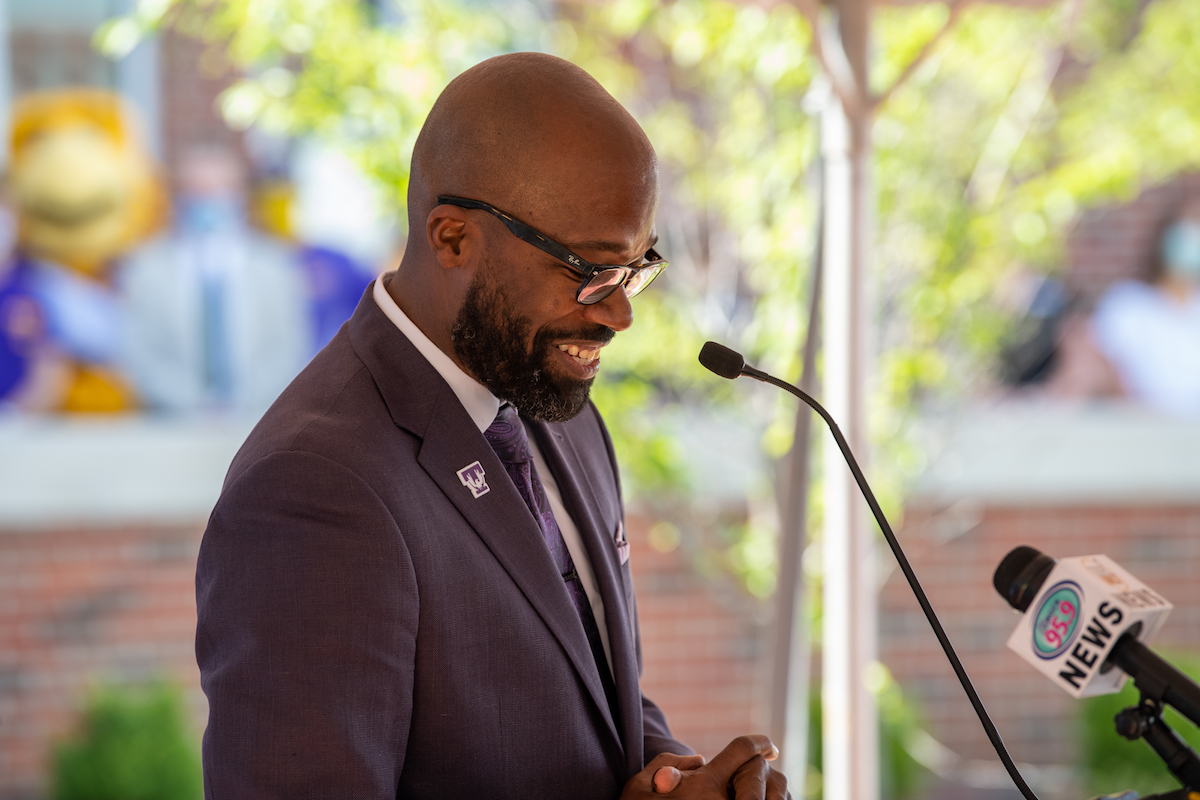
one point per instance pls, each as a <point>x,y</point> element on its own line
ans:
<point>599,280</point>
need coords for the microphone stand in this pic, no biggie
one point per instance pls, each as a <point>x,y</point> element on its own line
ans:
<point>1144,721</point>
<point>1158,683</point>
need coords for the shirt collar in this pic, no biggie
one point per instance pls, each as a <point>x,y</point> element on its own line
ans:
<point>481,405</point>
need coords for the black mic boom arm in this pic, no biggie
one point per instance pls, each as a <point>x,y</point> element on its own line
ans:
<point>730,364</point>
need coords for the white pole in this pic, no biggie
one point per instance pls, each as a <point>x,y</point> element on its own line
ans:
<point>850,727</point>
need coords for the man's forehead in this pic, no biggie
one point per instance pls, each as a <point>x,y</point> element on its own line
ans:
<point>611,228</point>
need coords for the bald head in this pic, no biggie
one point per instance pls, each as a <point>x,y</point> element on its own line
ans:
<point>530,133</point>
<point>540,139</point>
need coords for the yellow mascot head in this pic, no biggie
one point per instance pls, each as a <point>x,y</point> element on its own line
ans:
<point>80,180</point>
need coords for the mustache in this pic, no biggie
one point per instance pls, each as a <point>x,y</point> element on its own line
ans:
<point>601,334</point>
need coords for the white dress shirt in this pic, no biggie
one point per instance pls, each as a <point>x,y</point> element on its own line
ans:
<point>482,406</point>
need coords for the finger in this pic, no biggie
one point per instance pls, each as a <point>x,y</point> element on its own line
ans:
<point>674,760</point>
<point>750,780</point>
<point>777,786</point>
<point>738,752</point>
<point>663,773</point>
<point>665,780</point>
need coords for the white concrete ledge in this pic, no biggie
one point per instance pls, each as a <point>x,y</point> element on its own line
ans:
<point>59,471</point>
<point>1040,454</point>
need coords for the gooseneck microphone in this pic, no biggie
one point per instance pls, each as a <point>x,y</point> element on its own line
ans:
<point>720,359</point>
<point>730,364</point>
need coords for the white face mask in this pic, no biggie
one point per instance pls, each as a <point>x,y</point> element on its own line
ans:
<point>1181,250</point>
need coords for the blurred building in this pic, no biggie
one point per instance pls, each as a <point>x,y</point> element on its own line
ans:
<point>1079,477</point>
<point>49,46</point>
<point>100,518</point>
<point>1120,241</point>
<point>1111,480</point>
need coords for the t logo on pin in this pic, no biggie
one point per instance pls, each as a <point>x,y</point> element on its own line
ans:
<point>472,477</point>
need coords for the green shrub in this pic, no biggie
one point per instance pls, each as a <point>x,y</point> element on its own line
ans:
<point>1112,763</point>
<point>132,745</point>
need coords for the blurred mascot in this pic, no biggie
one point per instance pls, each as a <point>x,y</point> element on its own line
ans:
<point>22,326</point>
<point>84,191</point>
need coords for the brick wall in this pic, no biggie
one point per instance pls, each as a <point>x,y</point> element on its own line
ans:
<point>704,648</point>
<point>82,606</point>
<point>51,58</point>
<point>1120,241</point>
<point>193,77</point>
<point>78,607</point>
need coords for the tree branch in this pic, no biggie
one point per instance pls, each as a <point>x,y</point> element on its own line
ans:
<point>847,95</point>
<point>1024,102</point>
<point>956,8</point>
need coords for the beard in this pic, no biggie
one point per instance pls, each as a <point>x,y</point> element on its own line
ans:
<point>489,338</point>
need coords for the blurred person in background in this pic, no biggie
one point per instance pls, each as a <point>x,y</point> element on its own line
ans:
<point>346,229</point>
<point>217,311</point>
<point>84,190</point>
<point>1140,342</point>
<point>336,283</point>
<point>1149,332</point>
<point>1041,307</point>
<point>336,218</point>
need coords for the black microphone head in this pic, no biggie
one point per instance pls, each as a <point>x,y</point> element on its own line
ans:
<point>1021,574</point>
<point>721,360</point>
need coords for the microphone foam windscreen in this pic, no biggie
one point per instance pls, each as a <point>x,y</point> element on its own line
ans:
<point>1020,575</point>
<point>721,360</point>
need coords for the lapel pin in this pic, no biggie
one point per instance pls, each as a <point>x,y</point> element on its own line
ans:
<point>472,477</point>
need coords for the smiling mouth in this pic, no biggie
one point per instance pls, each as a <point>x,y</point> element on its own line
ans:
<point>67,214</point>
<point>579,355</point>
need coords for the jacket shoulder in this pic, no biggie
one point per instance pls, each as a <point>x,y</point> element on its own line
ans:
<point>325,411</point>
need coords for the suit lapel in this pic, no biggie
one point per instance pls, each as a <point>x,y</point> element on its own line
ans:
<point>501,518</point>
<point>582,502</point>
<point>422,403</point>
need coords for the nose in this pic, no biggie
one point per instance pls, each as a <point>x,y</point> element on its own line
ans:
<point>613,311</point>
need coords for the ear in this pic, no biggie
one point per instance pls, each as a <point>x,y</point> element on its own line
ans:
<point>445,231</point>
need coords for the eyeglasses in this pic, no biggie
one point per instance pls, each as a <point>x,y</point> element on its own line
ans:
<point>599,280</point>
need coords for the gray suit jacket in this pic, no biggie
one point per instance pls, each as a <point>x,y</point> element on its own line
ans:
<point>264,323</point>
<point>370,629</point>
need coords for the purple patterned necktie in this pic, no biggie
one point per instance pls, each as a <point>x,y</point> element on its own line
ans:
<point>507,437</point>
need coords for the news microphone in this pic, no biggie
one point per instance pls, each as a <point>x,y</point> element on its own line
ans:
<point>1074,611</point>
<point>1083,616</point>
<point>730,364</point>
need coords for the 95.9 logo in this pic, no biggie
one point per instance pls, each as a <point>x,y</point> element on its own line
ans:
<point>1056,620</point>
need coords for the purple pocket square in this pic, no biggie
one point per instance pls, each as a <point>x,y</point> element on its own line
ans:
<point>622,544</point>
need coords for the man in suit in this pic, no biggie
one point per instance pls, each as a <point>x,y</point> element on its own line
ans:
<point>405,590</point>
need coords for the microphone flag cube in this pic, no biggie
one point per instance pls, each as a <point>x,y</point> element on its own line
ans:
<point>1084,606</point>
